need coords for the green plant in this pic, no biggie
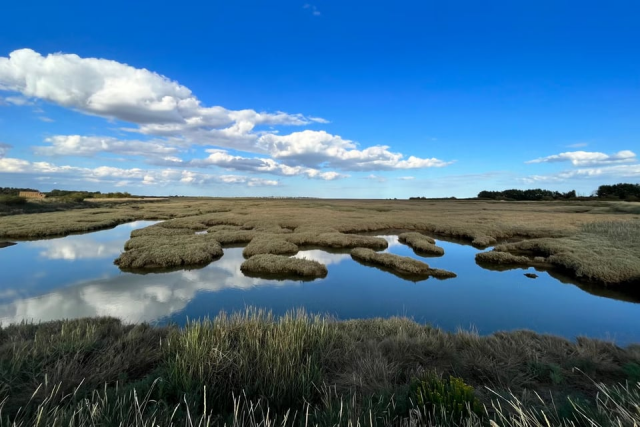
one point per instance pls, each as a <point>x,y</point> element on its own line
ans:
<point>451,396</point>
<point>12,200</point>
<point>633,372</point>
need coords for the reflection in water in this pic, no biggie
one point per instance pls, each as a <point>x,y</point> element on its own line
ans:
<point>79,249</point>
<point>75,277</point>
<point>134,297</point>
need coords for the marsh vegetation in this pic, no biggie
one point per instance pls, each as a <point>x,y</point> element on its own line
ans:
<point>252,368</point>
<point>555,234</point>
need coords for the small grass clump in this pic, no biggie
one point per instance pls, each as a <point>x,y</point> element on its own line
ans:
<point>336,240</point>
<point>403,266</point>
<point>501,258</point>
<point>269,265</point>
<point>172,251</point>
<point>421,244</point>
<point>269,244</point>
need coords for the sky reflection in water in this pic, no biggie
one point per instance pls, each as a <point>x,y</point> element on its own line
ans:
<point>75,277</point>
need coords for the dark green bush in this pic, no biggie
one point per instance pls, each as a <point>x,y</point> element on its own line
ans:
<point>12,200</point>
<point>451,396</point>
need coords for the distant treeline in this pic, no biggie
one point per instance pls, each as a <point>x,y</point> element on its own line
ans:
<point>619,191</point>
<point>534,194</point>
<point>10,191</point>
<point>630,192</point>
<point>88,194</point>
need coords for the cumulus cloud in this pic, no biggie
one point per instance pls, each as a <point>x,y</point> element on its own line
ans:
<point>114,90</point>
<point>587,158</point>
<point>318,148</point>
<point>87,146</point>
<point>122,176</point>
<point>615,171</point>
<point>223,159</point>
<point>175,118</point>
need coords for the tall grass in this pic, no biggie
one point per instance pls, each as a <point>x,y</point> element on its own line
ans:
<point>254,368</point>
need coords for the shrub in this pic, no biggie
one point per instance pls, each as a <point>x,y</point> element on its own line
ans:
<point>452,396</point>
<point>12,200</point>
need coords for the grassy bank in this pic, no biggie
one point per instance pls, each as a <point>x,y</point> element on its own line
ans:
<point>604,251</point>
<point>254,369</point>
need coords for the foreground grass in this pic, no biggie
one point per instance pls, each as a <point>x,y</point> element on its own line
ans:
<point>252,368</point>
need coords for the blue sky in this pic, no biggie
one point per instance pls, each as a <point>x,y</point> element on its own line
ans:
<point>322,98</point>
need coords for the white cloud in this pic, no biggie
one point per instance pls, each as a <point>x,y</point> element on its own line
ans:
<point>319,148</point>
<point>376,178</point>
<point>223,159</point>
<point>578,145</point>
<point>170,112</point>
<point>19,101</point>
<point>121,177</point>
<point>406,178</point>
<point>46,119</point>
<point>616,171</point>
<point>87,146</point>
<point>118,91</point>
<point>586,158</point>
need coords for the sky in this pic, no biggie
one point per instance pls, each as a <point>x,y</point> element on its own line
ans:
<point>336,99</point>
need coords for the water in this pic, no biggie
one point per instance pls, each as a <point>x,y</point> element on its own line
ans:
<point>75,277</point>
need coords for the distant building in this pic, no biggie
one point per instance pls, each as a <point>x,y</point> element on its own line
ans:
<point>32,195</point>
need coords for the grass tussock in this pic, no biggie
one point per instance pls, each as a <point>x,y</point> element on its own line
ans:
<point>336,240</point>
<point>253,368</point>
<point>147,252</point>
<point>232,237</point>
<point>605,252</point>
<point>501,258</point>
<point>269,244</point>
<point>269,265</point>
<point>403,266</point>
<point>421,244</point>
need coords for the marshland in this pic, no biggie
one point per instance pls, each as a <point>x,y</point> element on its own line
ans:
<point>422,313</point>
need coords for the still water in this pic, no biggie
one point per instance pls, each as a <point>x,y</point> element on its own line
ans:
<point>75,277</point>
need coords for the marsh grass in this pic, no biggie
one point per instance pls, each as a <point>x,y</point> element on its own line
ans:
<point>604,251</point>
<point>269,266</point>
<point>269,244</point>
<point>501,258</point>
<point>421,244</point>
<point>555,228</point>
<point>404,266</point>
<point>253,368</point>
<point>148,252</point>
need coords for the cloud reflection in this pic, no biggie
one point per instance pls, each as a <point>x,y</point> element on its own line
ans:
<point>132,297</point>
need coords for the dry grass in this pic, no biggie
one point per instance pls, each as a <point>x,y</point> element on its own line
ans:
<point>421,244</point>
<point>502,258</point>
<point>403,266</point>
<point>84,372</point>
<point>331,224</point>
<point>149,252</point>
<point>603,252</point>
<point>269,244</point>
<point>268,265</point>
